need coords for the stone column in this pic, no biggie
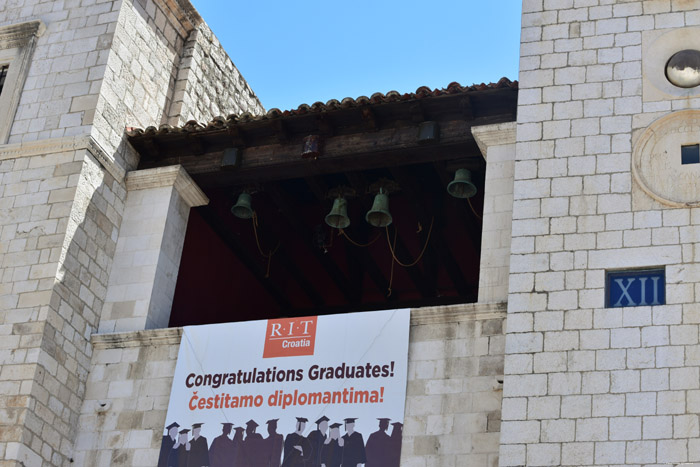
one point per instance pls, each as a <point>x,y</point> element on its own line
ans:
<point>497,144</point>
<point>144,272</point>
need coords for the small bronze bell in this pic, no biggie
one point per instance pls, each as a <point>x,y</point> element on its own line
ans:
<point>338,217</point>
<point>243,208</point>
<point>462,186</point>
<point>379,215</point>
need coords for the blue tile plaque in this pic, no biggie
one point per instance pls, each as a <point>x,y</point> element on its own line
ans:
<point>635,288</point>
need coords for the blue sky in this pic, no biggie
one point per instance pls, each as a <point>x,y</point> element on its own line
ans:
<point>303,51</point>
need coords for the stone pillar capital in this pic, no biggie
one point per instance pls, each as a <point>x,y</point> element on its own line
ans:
<point>175,176</point>
<point>498,134</point>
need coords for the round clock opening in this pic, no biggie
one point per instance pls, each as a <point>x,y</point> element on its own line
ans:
<point>683,69</point>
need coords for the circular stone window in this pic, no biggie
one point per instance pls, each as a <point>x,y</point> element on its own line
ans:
<point>683,69</point>
<point>666,159</point>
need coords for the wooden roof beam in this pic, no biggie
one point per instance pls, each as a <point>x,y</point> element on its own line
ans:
<point>359,151</point>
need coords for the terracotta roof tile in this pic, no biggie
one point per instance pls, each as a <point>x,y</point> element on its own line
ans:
<point>319,107</point>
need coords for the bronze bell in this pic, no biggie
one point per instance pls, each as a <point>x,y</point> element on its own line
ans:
<point>243,208</point>
<point>462,186</point>
<point>379,215</point>
<point>338,217</point>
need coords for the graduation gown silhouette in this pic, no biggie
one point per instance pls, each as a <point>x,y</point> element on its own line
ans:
<point>292,456</point>
<point>378,449</point>
<point>332,454</point>
<point>316,440</point>
<point>354,450</point>
<point>395,451</point>
<point>199,452</point>
<point>254,451</point>
<point>178,457</point>
<point>273,449</point>
<point>239,459</point>
<point>166,446</point>
<point>221,452</point>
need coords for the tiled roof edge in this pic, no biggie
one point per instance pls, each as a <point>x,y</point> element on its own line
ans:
<point>319,107</point>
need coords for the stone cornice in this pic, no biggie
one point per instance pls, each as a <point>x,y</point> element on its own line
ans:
<point>457,313</point>
<point>184,11</point>
<point>55,145</point>
<point>498,134</point>
<point>151,337</point>
<point>174,175</point>
<point>17,35</point>
<point>419,316</point>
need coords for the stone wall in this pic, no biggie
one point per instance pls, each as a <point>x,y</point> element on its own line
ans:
<point>452,406</point>
<point>66,70</point>
<point>587,384</point>
<point>208,83</point>
<point>59,214</point>
<point>96,68</point>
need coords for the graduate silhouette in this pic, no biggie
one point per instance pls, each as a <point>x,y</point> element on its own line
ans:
<point>332,450</point>
<point>168,443</point>
<point>396,433</point>
<point>254,446</point>
<point>354,448</point>
<point>221,451</point>
<point>199,448</point>
<point>378,449</point>
<point>297,450</point>
<point>273,444</point>
<point>180,452</point>
<point>238,454</point>
<point>316,439</point>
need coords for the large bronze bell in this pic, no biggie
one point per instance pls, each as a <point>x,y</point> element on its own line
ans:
<point>243,208</point>
<point>379,215</point>
<point>462,186</point>
<point>338,217</point>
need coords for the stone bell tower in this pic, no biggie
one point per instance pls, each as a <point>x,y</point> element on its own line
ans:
<point>74,75</point>
<point>602,352</point>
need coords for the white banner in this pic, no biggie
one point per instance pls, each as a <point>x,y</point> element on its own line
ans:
<point>327,390</point>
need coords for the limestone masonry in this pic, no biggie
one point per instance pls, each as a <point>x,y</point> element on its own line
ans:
<point>542,371</point>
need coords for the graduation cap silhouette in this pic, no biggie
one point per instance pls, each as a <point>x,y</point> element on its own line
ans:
<point>350,420</point>
<point>227,424</point>
<point>251,423</point>
<point>322,419</point>
<point>336,425</point>
<point>197,425</point>
<point>172,425</point>
<point>274,420</point>
<point>239,428</point>
<point>185,431</point>
<point>302,419</point>
<point>383,419</point>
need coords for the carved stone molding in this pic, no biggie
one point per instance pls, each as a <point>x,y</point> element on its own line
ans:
<point>55,145</point>
<point>457,313</point>
<point>174,175</point>
<point>17,35</point>
<point>498,134</point>
<point>656,160</point>
<point>151,337</point>
<point>17,43</point>
<point>419,316</point>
